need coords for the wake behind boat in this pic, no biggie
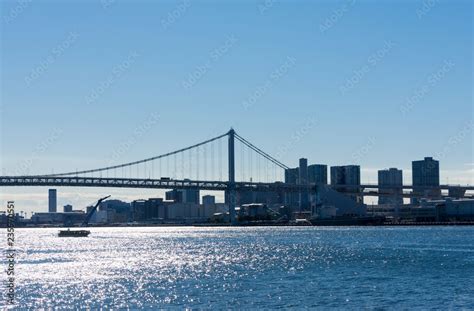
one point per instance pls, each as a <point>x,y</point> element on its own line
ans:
<point>82,233</point>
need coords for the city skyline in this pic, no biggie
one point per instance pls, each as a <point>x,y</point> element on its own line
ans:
<point>315,173</point>
<point>130,195</point>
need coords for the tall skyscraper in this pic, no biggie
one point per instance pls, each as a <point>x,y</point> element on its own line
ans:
<point>425,174</point>
<point>391,177</point>
<point>299,176</point>
<point>337,175</point>
<point>352,174</point>
<point>318,173</point>
<point>291,177</point>
<point>52,201</point>
<point>174,195</point>
<point>183,196</point>
<point>303,180</point>
<point>346,175</point>
<point>303,172</point>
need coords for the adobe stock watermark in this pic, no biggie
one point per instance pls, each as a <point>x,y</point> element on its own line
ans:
<point>17,10</point>
<point>426,7</point>
<point>117,72</point>
<point>25,165</point>
<point>455,140</point>
<point>364,150</point>
<point>336,16</point>
<point>138,133</point>
<point>176,14</point>
<point>52,57</point>
<point>106,4</point>
<point>296,137</point>
<point>10,254</point>
<point>431,81</point>
<point>216,54</point>
<point>372,61</point>
<point>265,6</point>
<point>275,75</point>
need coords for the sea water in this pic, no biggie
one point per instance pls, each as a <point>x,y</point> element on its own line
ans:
<point>246,267</point>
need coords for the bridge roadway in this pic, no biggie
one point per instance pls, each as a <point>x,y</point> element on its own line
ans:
<point>75,181</point>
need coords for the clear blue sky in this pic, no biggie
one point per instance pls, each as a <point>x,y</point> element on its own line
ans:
<point>377,83</point>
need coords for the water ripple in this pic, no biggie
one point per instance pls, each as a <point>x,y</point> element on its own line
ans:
<point>268,267</point>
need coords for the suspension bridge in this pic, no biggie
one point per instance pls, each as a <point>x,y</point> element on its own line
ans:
<point>208,165</point>
<point>200,166</point>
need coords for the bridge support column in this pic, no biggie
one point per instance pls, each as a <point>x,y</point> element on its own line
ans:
<point>231,185</point>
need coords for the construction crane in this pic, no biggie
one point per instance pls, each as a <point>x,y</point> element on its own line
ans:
<point>85,223</point>
<point>89,215</point>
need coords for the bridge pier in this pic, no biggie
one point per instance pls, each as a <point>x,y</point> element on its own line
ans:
<point>231,185</point>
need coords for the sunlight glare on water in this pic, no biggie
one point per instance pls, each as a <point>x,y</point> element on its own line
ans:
<point>249,267</point>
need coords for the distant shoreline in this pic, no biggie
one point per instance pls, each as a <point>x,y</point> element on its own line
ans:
<point>400,224</point>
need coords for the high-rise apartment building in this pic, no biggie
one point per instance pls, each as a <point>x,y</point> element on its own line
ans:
<point>318,174</point>
<point>52,201</point>
<point>425,174</point>
<point>391,177</point>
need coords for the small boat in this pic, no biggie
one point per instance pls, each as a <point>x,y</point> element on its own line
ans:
<point>73,233</point>
<point>82,233</point>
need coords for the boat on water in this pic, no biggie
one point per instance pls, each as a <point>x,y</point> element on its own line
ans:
<point>82,233</point>
<point>73,233</point>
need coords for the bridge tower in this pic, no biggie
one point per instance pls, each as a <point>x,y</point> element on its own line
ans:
<point>231,186</point>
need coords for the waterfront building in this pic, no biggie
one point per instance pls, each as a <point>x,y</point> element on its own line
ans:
<point>295,176</point>
<point>335,204</point>
<point>346,175</point>
<point>303,171</point>
<point>183,196</point>
<point>425,174</point>
<point>318,174</point>
<point>304,174</point>
<point>303,180</point>
<point>262,197</point>
<point>52,201</point>
<point>352,175</point>
<point>444,210</point>
<point>208,200</point>
<point>208,207</point>
<point>117,211</point>
<point>155,208</point>
<point>254,212</point>
<point>291,177</point>
<point>337,175</point>
<point>191,196</point>
<point>67,208</point>
<point>183,212</point>
<point>391,177</point>
<point>67,219</point>
<point>138,210</point>
<point>174,195</point>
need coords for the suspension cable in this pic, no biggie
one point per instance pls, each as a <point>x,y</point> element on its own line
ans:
<point>138,162</point>
<point>261,152</point>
